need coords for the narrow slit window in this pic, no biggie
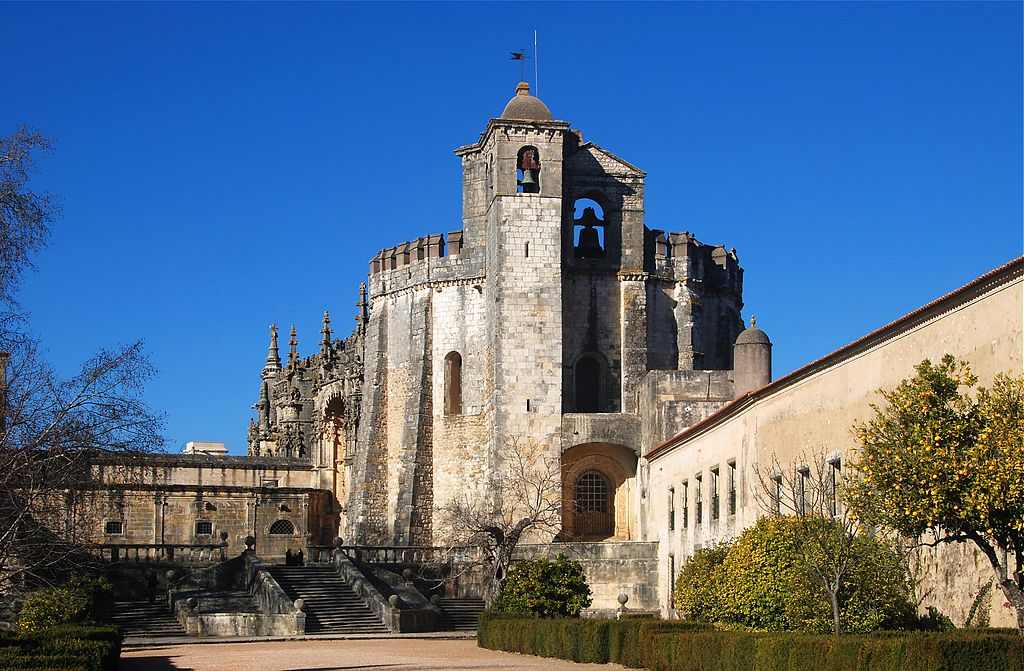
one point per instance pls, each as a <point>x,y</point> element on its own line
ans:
<point>714,494</point>
<point>453,384</point>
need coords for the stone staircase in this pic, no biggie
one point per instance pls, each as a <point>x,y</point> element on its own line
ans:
<point>331,605</point>
<point>463,614</point>
<point>142,619</point>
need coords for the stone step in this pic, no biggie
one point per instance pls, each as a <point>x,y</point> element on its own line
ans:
<point>330,604</point>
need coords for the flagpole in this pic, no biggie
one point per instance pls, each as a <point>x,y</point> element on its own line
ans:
<point>536,66</point>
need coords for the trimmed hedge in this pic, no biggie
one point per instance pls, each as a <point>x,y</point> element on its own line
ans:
<point>580,640</point>
<point>66,647</point>
<point>659,645</point>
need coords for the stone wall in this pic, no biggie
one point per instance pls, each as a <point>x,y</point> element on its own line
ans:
<point>611,568</point>
<point>811,411</point>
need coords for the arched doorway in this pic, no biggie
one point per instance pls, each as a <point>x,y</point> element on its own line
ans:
<point>593,506</point>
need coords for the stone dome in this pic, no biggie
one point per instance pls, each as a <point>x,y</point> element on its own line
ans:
<point>526,107</point>
<point>753,335</point>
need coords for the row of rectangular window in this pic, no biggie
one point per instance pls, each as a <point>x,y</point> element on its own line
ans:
<point>699,498</point>
<point>802,485</point>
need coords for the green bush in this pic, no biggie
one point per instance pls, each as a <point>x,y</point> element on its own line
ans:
<point>73,647</point>
<point>78,600</point>
<point>545,588</point>
<point>759,582</point>
<point>660,646</point>
<point>576,639</point>
<point>697,589</point>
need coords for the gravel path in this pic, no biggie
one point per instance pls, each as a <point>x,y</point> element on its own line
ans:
<point>348,655</point>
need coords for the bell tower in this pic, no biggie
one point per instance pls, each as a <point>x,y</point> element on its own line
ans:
<point>512,208</point>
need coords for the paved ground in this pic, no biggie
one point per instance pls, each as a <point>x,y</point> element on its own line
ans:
<point>396,654</point>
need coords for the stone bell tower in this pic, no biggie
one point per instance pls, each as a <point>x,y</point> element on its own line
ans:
<point>513,204</point>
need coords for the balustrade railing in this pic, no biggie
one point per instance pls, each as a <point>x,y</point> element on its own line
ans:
<point>179,553</point>
<point>406,554</point>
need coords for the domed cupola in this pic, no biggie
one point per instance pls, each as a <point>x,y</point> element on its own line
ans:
<point>524,107</point>
<point>752,359</point>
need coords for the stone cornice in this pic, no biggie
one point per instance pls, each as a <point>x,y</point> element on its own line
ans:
<point>510,123</point>
<point>431,284</point>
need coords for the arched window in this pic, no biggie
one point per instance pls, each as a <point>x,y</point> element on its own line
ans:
<point>528,170</point>
<point>587,384</point>
<point>593,509</point>
<point>588,229</point>
<point>453,384</point>
<point>282,528</point>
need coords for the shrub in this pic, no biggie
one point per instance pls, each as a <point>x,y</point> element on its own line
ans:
<point>78,600</point>
<point>545,588</point>
<point>759,582</point>
<point>661,646</point>
<point>698,587</point>
<point>67,647</point>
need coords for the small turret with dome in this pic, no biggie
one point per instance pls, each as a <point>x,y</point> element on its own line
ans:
<point>752,359</point>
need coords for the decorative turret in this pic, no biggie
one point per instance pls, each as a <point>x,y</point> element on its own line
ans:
<point>363,313</point>
<point>273,364</point>
<point>263,406</point>
<point>293,349</point>
<point>752,359</point>
<point>325,339</point>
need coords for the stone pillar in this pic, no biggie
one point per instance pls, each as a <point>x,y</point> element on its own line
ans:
<point>634,336</point>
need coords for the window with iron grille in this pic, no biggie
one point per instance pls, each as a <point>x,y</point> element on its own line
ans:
<point>204,528</point>
<point>732,487</point>
<point>282,528</point>
<point>804,474</point>
<point>714,494</point>
<point>834,470</point>
<point>671,509</point>
<point>686,504</point>
<point>592,493</point>
<point>114,527</point>
<point>777,494</point>
<point>699,501</point>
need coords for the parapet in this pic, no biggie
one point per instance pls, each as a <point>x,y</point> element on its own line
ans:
<point>428,247</point>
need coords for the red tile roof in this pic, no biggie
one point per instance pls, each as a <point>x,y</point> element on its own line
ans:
<point>989,280</point>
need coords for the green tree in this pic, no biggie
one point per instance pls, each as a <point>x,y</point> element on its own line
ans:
<point>764,582</point>
<point>941,465</point>
<point>545,588</point>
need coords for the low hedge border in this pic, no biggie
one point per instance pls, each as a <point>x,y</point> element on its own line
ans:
<point>66,647</point>
<point>579,640</point>
<point>663,646</point>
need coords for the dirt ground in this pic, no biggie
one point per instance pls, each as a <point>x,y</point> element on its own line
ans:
<point>344,655</point>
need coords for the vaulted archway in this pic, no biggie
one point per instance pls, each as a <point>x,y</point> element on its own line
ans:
<point>597,490</point>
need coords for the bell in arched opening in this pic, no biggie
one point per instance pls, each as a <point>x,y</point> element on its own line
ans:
<point>589,245</point>
<point>528,170</point>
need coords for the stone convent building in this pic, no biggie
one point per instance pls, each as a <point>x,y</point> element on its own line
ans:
<point>556,314</point>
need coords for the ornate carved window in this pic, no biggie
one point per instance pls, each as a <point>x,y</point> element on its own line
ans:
<point>453,384</point>
<point>282,528</point>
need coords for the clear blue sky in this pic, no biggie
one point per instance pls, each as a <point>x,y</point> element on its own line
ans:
<point>224,166</point>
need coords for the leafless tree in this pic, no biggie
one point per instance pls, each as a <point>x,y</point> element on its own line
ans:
<point>25,215</point>
<point>523,495</point>
<point>810,490</point>
<point>51,428</point>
